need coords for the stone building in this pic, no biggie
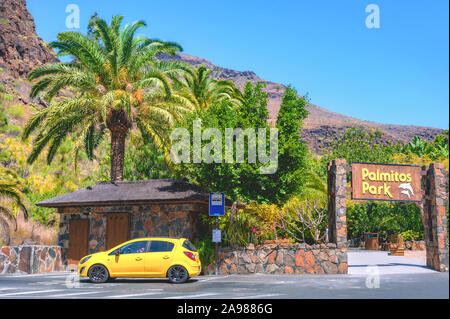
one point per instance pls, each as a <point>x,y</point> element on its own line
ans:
<point>99,217</point>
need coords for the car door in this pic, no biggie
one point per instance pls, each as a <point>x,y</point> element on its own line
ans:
<point>159,257</point>
<point>130,260</point>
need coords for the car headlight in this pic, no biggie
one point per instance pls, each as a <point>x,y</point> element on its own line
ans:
<point>85,259</point>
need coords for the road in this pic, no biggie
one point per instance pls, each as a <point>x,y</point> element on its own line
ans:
<point>255,286</point>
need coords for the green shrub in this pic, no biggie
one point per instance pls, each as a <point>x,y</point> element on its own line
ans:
<point>206,251</point>
<point>16,111</point>
<point>3,119</point>
<point>384,218</point>
<point>409,235</point>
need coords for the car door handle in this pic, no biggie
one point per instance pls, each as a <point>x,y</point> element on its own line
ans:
<point>138,258</point>
<point>166,257</point>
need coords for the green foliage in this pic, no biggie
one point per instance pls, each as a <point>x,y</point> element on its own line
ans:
<point>198,87</point>
<point>439,148</point>
<point>244,181</point>
<point>144,161</point>
<point>117,83</point>
<point>358,145</point>
<point>409,235</point>
<point>292,152</point>
<point>3,119</point>
<point>383,218</point>
<point>241,232</point>
<point>206,251</point>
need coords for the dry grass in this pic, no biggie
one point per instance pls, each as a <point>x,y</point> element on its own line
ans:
<point>33,232</point>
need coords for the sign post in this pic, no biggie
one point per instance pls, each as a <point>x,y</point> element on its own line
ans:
<point>216,209</point>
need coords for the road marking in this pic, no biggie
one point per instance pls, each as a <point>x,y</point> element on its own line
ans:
<point>258,296</point>
<point>134,295</point>
<point>28,292</point>
<point>38,275</point>
<point>74,294</point>
<point>192,296</point>
<point>213,278</point>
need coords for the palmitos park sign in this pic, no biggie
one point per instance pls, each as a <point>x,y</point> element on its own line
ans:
<point>386,182</point>
<point>424,186</point>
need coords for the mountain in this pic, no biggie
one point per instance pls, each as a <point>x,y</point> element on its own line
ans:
<point>321,124</point>
<point>21,50</point>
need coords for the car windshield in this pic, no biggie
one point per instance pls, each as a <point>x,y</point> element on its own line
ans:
<point>188,245</point>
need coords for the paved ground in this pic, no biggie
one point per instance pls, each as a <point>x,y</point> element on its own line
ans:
<point>371,275</point>
<point>414,262</point>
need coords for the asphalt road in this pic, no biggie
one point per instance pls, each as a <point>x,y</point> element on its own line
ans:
<point>256,286</point>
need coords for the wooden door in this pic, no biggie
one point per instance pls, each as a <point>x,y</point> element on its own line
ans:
<point>117,229</point>
<point>78,240</point>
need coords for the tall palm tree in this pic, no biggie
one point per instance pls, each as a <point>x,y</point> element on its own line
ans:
<point>11,189</point>
<point>117,83</point>
<point>200,87</point>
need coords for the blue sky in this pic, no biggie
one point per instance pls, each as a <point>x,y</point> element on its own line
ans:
<point>397,74</point>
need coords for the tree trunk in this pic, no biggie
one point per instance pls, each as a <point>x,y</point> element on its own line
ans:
<point>117,154</point>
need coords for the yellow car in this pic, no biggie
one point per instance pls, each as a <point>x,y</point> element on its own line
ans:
<point>155,257</point>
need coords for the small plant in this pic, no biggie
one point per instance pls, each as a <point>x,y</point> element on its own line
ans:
<point>410,235</point>
<point>16,111</point>
<point>305,219</point>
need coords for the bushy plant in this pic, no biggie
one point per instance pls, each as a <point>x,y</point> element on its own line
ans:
<point>305,219</point>
<point>206,250</point>
<point>384,218</point>
<point>409,235</point>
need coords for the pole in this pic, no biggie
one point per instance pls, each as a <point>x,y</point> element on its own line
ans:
<point>217,246</point>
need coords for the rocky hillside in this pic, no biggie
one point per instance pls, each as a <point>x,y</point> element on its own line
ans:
<point>321,124</point>
<point>21,50</point>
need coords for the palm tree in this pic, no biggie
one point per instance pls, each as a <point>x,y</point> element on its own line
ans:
<point>116,84</point>
<point>11,189</point>
<point>200,87</point>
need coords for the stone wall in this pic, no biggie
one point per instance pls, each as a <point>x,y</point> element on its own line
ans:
<point>337,213</point>
<point>174,220</point>
<point>434,218</point>
<point>282,259</point>
<point>31,259</point>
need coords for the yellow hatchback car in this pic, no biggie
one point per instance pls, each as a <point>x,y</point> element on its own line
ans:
<point>155,257</point>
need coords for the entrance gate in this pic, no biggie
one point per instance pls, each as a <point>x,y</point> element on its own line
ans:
<point>430,199</point>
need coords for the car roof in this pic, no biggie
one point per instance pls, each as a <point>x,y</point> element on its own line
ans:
<point>155,237</point>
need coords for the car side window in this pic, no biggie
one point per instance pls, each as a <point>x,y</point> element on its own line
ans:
<point>160,246</point>
<point>134,248</point>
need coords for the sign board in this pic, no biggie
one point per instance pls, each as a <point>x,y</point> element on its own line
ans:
<point>216,204</point>
<point>386,182</point>
<point>217,236</point>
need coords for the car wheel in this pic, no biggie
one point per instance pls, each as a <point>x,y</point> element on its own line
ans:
<point>98,274</point>
<point>177,274</point>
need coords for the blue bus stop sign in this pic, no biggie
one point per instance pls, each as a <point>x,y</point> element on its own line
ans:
<point>216,204</point>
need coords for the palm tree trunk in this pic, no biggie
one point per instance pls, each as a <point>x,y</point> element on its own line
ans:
<point>117,154</point>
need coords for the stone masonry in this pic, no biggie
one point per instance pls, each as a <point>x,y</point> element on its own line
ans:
<point>32,259</point>
<point>434,218</point>
<point>337,188</point>
<point>282,259</point>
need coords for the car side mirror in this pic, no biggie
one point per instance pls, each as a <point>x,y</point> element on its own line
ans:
<point>117,252</point>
